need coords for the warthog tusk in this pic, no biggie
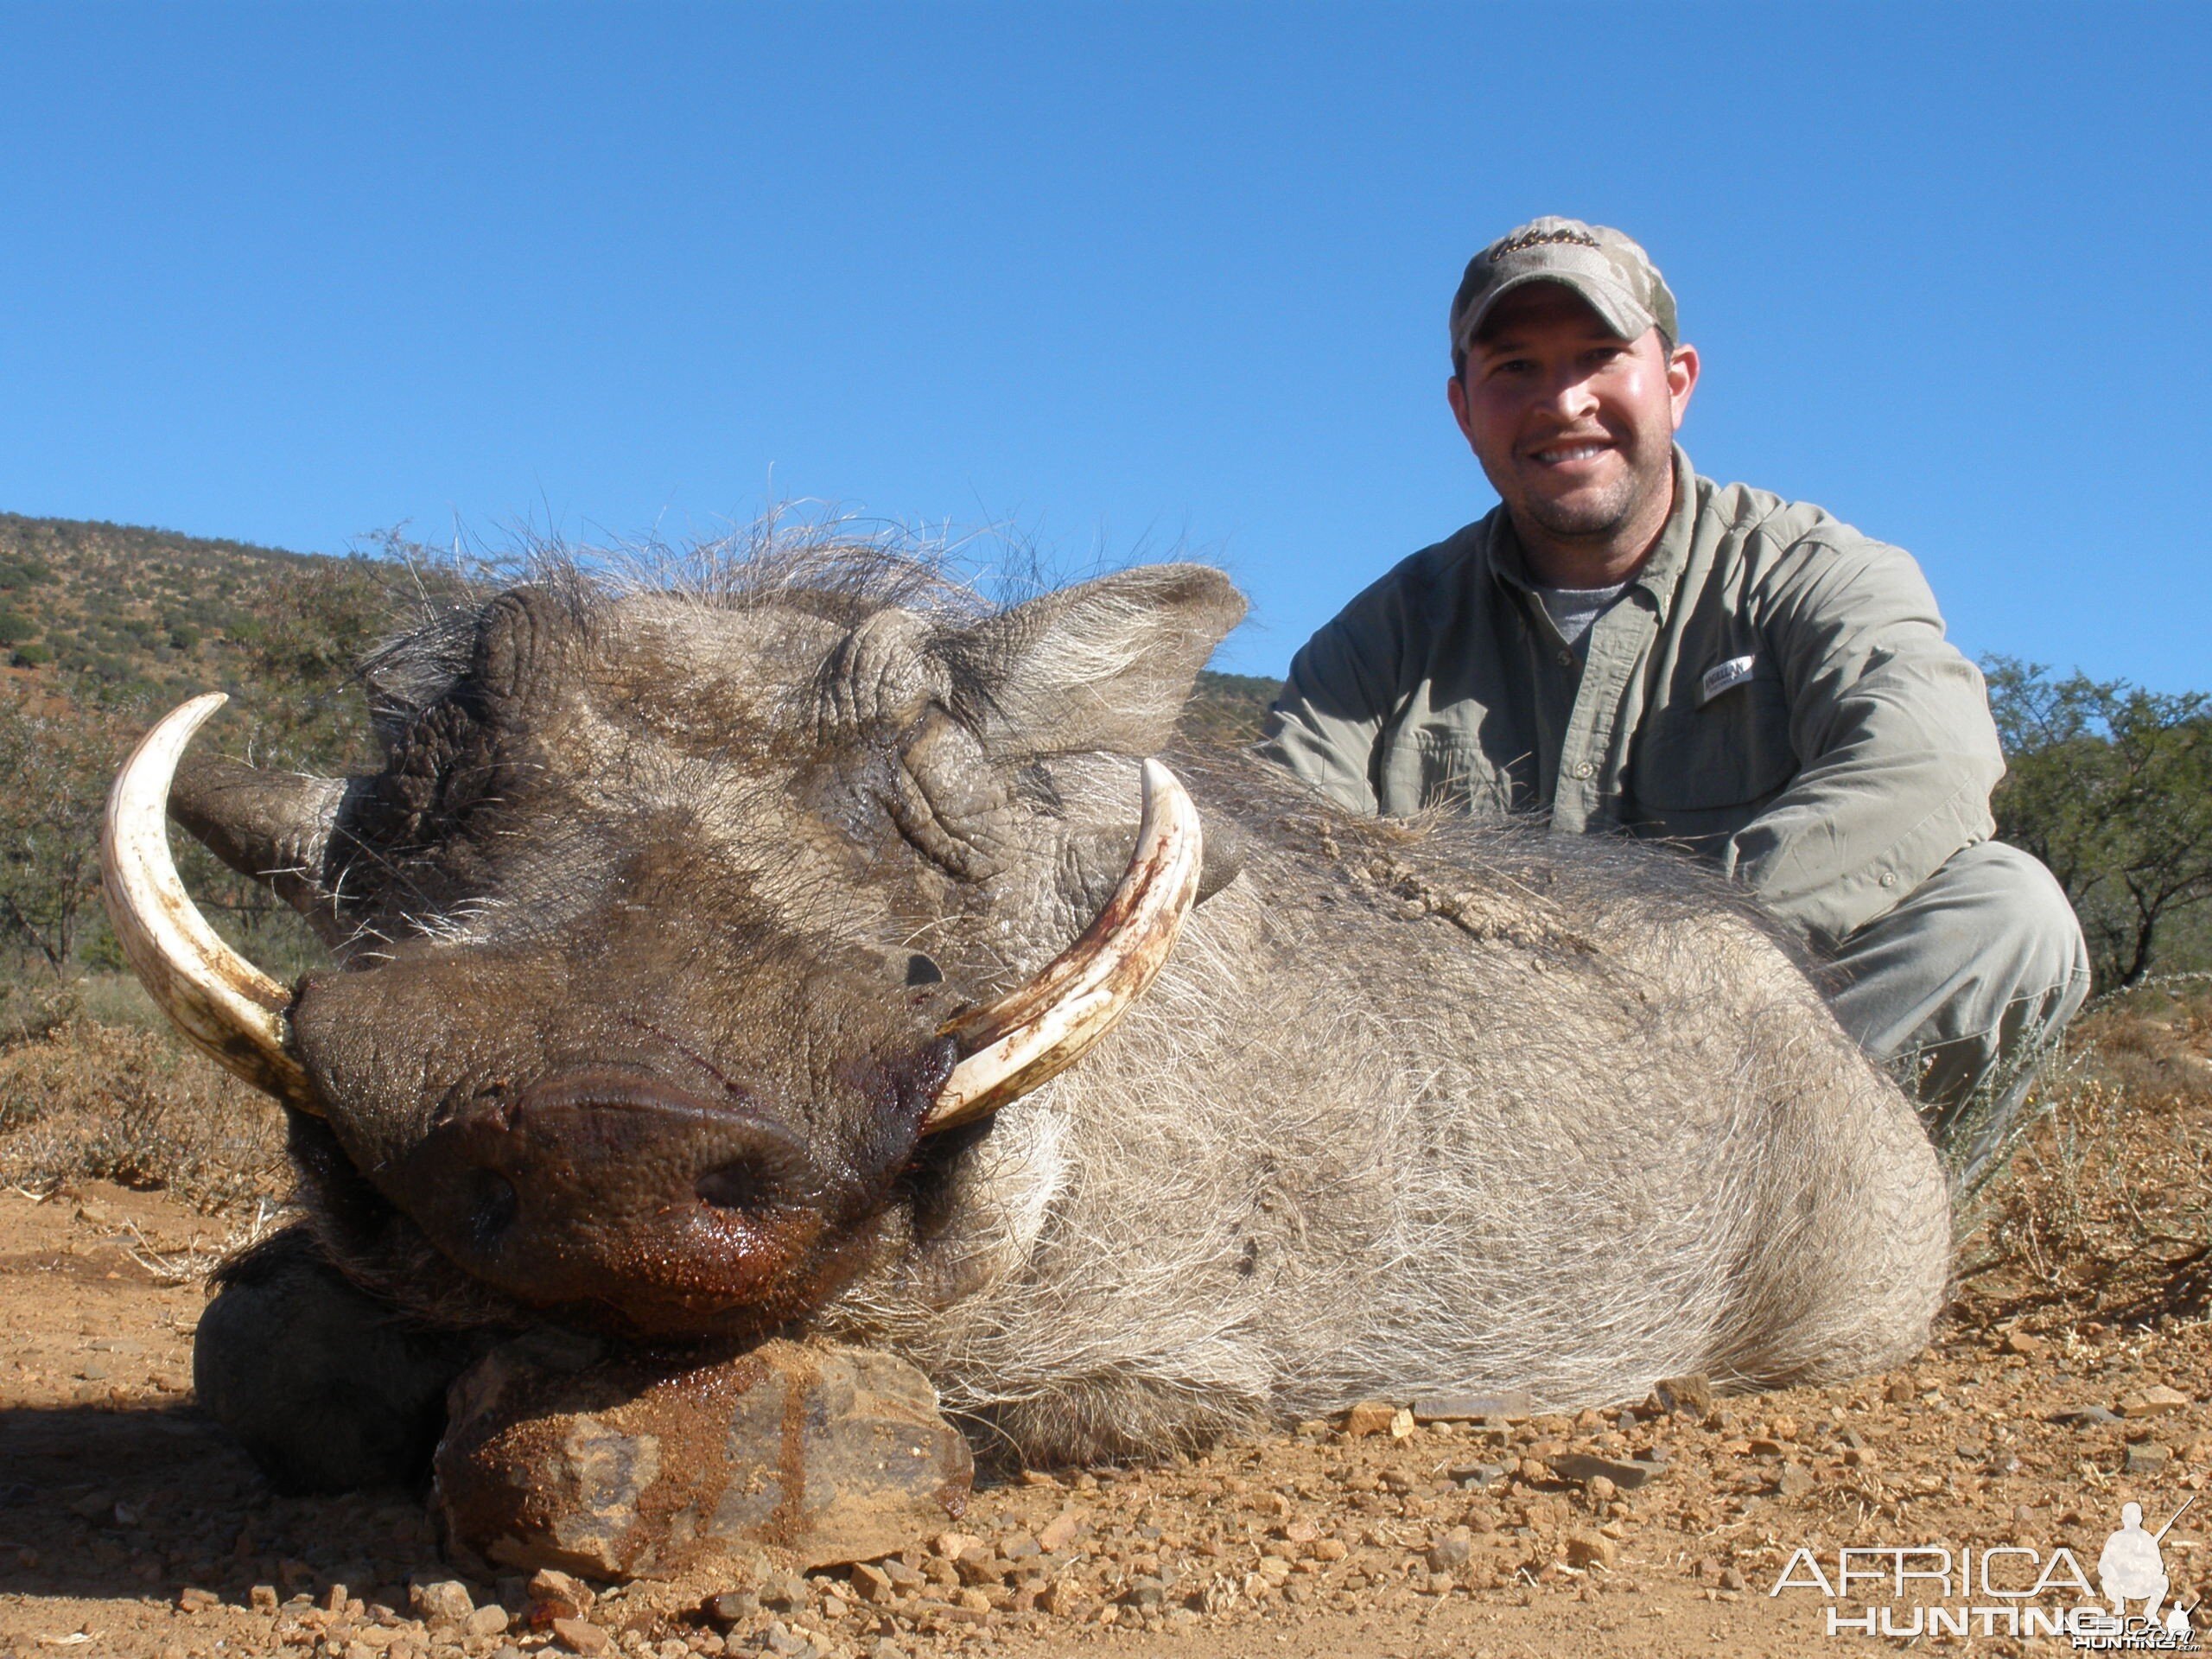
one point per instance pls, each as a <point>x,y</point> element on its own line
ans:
<point>1038,1032</point>
<point>229,1009</point>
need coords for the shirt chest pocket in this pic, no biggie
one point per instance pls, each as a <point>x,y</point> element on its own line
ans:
<point>1733,751</point>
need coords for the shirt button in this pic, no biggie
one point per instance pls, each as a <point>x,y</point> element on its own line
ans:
<point>1889,878</point>
<point>1584,769</point>
<point>1566,658</point>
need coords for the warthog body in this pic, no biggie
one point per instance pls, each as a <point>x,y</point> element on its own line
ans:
<point>652,923</point>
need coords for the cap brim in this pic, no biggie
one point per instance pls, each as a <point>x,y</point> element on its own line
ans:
<point>1615,307</point>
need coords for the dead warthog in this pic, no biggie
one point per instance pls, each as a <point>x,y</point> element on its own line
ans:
<point>706,970</point>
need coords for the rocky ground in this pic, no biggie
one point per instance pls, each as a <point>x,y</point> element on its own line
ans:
<point>2072,1373</point>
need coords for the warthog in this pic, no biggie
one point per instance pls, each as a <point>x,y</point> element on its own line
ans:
<point>705,970</point>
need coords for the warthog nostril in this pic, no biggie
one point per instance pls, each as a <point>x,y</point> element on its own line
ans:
<point>492,1207</point>
<point>741,1185</point>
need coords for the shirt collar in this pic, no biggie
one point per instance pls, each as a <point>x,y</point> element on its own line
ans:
<point>1660,573</point>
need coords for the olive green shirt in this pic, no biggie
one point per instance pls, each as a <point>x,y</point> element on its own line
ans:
<point>1773,689</point>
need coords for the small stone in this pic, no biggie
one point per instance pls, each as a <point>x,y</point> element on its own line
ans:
<point>1688,1396</point>
<point>1331,1549</point>
<point>1402,1425</point>
<point>1625,1473</point>
<point>884,1648</point>
<point>1900,1392</point>
<point>193,1599</point>
<point>785,1593</point>
<point>1731,1579</point>
<point>2148,1457</point>
<point>262,1597</point>
<point>953,1545</point>
<point>2020,1343</point>
<point>1794,1481</point>
<point>732,1607</point>
<point>488,1620</point>
<point>554,1594</point>
<point>2085,1417</point>
<point>440,1601</point>
<point>1477,1474</point>
<point>1061,1530</point>
<point>873,1584</point>
<point>582,1636</point>
<point>1145,1591</point>
<point>1369,1417</point>
<point>1470,1408</point>
<point>1449,1553</point>
<point>1602,1489</point>
<point>2153,1402</point>
<point>1587,1549</point>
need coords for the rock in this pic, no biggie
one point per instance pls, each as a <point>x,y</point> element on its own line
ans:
<point>1145,1591</point>
<point>1061,1530</point>
<point>1402,1424</point>
<point>873,1584</point>
<point>553,1594</point>
<point>490,1620</point>
<point>1794,1481</point>
<point>2020,1343</point>
<point>1477,1474</point>
<point>1602,1489</point>
<point>1625,1473</point>
<point>1449,1553</point>
<point>732,1607</point>
<point>2153,1402</point>
<point>440,1601</point>
<point>640,1463</point>
<point>262,1597</point>
<point>1688,1396</point>
<point>1588,1549</point>
<point>1369,1417</point>
<point>1470,1408</point>
<point>2085,1417</point>
<point>193,1599</point>
<point>785,1592</point>
<point>1900,1392</point>
<point>582,1636</point>
<point>2148,1457</point>
<point>953,1545</point>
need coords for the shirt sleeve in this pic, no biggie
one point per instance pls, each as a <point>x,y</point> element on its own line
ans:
<point>1326,725</point>
<point>1890,723</point>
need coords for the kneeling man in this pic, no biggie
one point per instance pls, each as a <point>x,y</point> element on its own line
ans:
<point>1627,646</point>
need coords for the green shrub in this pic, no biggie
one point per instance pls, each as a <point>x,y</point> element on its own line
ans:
<point>15,627</point>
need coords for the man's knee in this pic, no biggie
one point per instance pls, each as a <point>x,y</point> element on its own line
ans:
<point>2015,919</point>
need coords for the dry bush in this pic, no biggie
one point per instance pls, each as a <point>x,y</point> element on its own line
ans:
<point>2106,1209</point>
<point>82,1101</point>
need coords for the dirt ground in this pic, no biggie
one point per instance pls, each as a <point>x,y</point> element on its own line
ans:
<point>2072,1374</point>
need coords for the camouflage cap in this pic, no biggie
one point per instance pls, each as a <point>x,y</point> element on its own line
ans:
<point>1605,267</point>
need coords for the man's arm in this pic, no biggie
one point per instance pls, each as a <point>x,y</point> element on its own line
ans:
<point>1329,717</point>
<point>1897,752</point>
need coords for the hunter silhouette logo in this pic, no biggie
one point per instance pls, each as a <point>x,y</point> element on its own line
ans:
<point>2132,1569</point>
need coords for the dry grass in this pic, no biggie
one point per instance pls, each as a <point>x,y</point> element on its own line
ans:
<point>2106,1212</point>
<point>83,1099</point>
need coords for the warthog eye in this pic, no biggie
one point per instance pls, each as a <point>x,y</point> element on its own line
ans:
<point>741,1185</point>
<point>923,970</point>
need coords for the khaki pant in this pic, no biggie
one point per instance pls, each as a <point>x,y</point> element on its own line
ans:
<point>1962,989</point>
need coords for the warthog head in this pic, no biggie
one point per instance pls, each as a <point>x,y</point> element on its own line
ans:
<point>677,922</point>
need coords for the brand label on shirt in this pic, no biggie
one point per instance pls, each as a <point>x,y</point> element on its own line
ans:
<point>1721,676</point>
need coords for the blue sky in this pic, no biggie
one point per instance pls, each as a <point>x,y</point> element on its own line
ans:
<point>1128,280</point>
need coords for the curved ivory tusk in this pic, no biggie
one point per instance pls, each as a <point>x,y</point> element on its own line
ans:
<point>1038,1032</point>
<point>231,1010</point>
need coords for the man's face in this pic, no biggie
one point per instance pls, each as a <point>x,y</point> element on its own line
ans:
<point>1573,425</point>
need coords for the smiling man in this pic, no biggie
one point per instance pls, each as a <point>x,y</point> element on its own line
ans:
<point>1631,648</point>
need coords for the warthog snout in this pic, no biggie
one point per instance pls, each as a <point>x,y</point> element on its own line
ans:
<point>609,1186</point>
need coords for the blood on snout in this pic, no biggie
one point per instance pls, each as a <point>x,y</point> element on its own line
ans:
<point>616,1187</point>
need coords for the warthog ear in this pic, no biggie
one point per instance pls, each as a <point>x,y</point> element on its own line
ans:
<point>1103,665</point>
<point>273,826</point>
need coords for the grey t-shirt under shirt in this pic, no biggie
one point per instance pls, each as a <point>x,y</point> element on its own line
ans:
<point>1573,609</point>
